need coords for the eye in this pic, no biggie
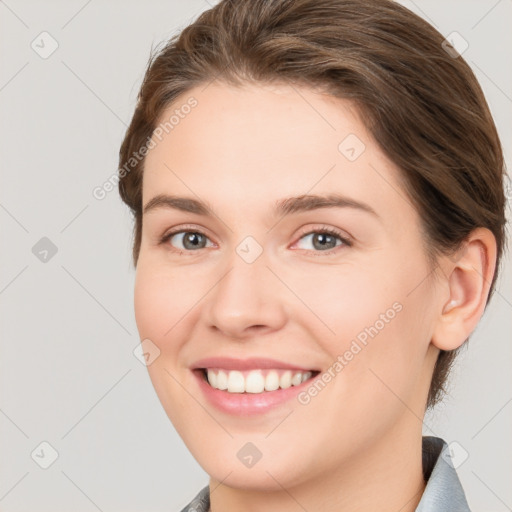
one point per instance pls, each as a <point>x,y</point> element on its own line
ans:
<point>322,240</point>
<point>187,240</point>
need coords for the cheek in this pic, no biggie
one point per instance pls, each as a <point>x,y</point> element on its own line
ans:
<point>149,296</point>
<point>380,319</point>
<point>161,300</point>
<point>389,368</point>
<point>346,303</point>
<point>160,303</point>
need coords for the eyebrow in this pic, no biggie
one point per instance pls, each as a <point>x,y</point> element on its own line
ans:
<point>281,208</point>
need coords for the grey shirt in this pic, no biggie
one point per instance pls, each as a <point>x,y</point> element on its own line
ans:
<point>443,492</point>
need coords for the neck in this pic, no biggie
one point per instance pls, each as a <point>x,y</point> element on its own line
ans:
<point>386,477</point>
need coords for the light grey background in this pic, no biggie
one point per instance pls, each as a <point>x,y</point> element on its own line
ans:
<point>67,369</point>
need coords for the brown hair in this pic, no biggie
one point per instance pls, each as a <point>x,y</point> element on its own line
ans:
<point>423,106</point>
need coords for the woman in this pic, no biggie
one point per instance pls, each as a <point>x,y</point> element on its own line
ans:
<point>317,189</point>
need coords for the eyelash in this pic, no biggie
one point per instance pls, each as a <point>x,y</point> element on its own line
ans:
<point>324,230</point>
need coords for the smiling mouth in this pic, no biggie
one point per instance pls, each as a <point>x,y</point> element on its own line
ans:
<point>255,381</point>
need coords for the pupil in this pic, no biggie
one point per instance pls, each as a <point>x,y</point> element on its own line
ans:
<point>192,240</point>
<point>323,240</point>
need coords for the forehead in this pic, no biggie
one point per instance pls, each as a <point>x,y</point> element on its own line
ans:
<point>260,142</point>
<point>257,123</point>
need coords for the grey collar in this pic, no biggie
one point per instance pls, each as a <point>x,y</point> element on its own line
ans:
<point>443,492</point>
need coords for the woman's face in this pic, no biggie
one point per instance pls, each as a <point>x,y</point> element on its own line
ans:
<point>295,251</point>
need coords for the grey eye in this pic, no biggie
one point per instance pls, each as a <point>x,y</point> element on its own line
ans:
<point>189,240</point>
<point>321,241</point>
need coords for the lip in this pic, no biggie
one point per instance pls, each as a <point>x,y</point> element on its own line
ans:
<point>247,404</point>
<point>253,363</point>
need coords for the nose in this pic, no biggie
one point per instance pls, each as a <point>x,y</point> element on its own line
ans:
<point>248,300</point>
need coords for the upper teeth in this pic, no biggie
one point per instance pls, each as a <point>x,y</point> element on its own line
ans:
<point>255,381</point>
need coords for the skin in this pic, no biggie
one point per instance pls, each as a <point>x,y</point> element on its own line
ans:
<point>357,444</point>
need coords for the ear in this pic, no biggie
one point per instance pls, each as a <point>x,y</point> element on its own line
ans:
<point>468,277</point>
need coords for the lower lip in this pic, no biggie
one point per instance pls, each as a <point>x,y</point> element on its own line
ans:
<point>247,404</point>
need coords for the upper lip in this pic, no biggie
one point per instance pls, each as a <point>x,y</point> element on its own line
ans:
<point>253,363</point>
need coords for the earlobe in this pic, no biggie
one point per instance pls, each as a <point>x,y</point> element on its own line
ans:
<point>468,279</point>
